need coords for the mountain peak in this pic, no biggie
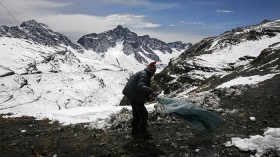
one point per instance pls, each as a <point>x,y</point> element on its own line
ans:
<point>29,22</point>
<point>32,24</point>
<point>37,32</point>
<point>266,21</point>
<point>121,29</point>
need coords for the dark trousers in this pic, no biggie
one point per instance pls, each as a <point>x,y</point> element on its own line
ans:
<point>140,117</point>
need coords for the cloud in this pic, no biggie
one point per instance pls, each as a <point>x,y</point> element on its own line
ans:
<point>224,11</point>
<point>24,10</point>
<point>172,36</point>
<point>129,20</point>
<point>191,23</point>
<point>76,25</point>
<point>143,3</point>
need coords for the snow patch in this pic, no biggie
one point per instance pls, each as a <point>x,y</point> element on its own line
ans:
<point>246,80</point>
<point>270,140</point>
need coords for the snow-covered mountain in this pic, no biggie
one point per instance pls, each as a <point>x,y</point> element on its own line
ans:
<point>37,32</point>
<point>119,46</point>
<point>235,51</point>
<point>123,48</point>
<point>39,80</point>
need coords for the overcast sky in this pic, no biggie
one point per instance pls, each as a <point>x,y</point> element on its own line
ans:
<point>167,20</point>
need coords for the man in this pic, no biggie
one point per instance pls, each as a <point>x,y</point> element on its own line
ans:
<point>138,90</point>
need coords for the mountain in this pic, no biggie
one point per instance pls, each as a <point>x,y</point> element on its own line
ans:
<point>229,53</point>
<point>143,49</point>
<point>119,46</point>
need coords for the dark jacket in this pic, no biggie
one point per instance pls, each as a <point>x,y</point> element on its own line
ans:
<point>138,87</point>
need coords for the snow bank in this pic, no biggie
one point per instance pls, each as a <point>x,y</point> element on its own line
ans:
<point>270,140</point>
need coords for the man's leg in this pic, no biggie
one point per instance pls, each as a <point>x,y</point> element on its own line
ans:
<point>142,114</point>
<point>135,121</point>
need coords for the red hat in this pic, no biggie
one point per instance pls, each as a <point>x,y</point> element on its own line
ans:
<point>152,67</point>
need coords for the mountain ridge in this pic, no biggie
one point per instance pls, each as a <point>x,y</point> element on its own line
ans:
<point>141,46</point>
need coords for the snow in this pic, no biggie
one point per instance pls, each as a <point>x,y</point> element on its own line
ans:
<point>246,80</point>
<point>116,57</point>
<point>224,58</point>
<point>220,58</point>
<point>86,114</point>
<point>61,91</point>
<point>269,140</point>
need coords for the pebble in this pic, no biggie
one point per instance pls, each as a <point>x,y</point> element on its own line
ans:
<point>127,136</point>
<point>252,118</point>
<point>12,144</point>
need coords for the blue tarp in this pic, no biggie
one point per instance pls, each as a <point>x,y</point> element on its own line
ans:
<point>199,118</point>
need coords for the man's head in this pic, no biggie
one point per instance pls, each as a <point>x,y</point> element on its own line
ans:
<point>152,67</point>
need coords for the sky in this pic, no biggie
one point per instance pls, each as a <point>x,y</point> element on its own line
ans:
<point>167,20</point>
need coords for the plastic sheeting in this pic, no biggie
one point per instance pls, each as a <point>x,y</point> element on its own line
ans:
<point>199,118</point>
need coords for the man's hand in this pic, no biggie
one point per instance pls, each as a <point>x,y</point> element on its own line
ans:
<point>154,94</point>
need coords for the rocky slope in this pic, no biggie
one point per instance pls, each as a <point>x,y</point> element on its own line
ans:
<point>218,56</point>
